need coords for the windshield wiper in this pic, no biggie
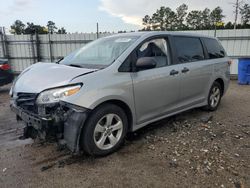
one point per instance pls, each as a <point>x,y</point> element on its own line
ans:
<point>59,60</point>
<point>75,65</point>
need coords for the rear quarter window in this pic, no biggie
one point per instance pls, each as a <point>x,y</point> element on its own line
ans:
<point>188,49</point>
<point>214,48</point>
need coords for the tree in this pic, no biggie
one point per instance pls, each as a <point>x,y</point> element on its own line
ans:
<point>51,27</point>
<point>154,22</point>
<point>122,31</point>
<point>170,19</point>
<point>229,25</point>
<point>62,30</point>
<point>216,15</point>
<point>206,20</point>
<point>181,13</point>
<point>166,19</point>
<point>17,27</point>
<point>32,29</point>
<point>146,21</point>
<point>158,18</point>
<point>163,19</point>
<point>194,19</point>
<point>245,14</point>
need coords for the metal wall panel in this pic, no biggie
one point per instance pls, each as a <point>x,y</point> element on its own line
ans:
<point>234,67</point>
<point>20,51</point>
<point>24,50</point>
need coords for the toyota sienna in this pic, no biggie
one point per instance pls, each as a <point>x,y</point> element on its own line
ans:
<point>93,97</point>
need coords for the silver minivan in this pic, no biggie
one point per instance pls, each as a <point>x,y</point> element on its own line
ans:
<point>93,97</point>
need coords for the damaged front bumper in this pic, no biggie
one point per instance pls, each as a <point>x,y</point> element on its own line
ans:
<point>64,123</point>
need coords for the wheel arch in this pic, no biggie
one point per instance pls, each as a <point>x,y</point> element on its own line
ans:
<point>124,106</point>
<point>222,84</point>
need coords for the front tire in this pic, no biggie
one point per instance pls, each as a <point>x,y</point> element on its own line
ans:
<point>214,97</point>
<point>105,130</point>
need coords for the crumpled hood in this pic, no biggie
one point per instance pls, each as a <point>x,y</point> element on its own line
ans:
<point>41,76</point>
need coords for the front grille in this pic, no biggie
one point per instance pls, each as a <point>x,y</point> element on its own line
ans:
<point>27,101</point>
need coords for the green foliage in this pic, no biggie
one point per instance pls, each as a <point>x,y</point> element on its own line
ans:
<point>163,19</point>
<point>206,22</point>
<point>216,15</point>
<point>147,21</point>
<point>181,13</point>
<point>18,27</point>
<point>51,27</point>
<point>194,19</point>
<point>229,25</point>
<point>61,31</point>
<point>166,19</point>
<point>245,14</point>
<point>33,29</point>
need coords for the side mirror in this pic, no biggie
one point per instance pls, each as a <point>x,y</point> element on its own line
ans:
<point>146,63</point>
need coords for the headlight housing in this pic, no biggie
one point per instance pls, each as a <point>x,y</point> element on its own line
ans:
<point>55,95</point>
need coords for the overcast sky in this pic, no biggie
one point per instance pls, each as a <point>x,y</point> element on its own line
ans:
<point>82,15</point>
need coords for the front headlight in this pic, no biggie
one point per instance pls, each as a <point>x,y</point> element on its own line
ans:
<point>55,95</point>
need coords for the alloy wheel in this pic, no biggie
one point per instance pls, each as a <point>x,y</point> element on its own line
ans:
<point>108,131</point>
<point>215,97</point>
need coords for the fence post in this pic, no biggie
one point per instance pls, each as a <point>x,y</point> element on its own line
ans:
<point>4,44</point>
<point>97,30</point>
<point>50,49</point>
<point>2,41</point>
<point>33,48</point>
<point>38,48</point>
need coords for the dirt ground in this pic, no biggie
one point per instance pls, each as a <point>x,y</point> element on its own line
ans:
<point>193,149</point>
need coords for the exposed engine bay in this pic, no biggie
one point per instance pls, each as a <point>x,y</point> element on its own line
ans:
<point>61,122</point>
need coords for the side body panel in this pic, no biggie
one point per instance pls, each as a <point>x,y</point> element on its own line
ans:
<point>102,86</point>
<point>156,92</point>
<point>195,82</point>
<point>221,70</point>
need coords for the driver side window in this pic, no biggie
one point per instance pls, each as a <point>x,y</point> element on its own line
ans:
<point>155,48</point>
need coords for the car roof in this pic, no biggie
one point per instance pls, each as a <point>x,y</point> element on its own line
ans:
<point>155,33</point>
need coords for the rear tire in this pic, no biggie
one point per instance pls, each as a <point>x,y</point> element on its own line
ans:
<point>214,97</point>
<point>105,130</point>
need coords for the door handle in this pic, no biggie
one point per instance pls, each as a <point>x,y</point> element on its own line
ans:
<point>174,72</point>
<point>185,70</point>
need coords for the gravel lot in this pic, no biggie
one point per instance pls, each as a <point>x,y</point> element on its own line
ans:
<point>193,149</point>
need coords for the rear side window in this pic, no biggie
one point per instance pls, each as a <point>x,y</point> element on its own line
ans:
<point>188,49</point>
<point>214,48</point>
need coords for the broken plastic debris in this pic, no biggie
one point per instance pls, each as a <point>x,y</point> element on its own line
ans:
<point>204,150</point>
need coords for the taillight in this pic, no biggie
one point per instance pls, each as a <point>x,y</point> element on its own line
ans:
<point>5,67</point>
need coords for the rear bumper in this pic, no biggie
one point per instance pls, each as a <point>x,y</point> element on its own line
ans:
<point>64,126</point>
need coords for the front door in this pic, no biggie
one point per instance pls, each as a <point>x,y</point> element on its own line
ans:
<point>156,90</point>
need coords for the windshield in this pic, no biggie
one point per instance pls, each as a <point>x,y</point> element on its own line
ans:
<point>99,53</point>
